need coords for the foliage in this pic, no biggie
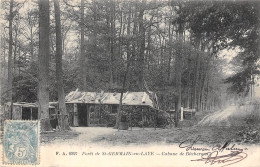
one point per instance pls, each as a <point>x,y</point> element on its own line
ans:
<point>117,30</point>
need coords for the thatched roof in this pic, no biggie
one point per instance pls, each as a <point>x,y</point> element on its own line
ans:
<point>129,98</point>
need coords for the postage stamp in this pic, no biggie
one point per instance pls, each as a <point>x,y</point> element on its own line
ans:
<point>21,142</point>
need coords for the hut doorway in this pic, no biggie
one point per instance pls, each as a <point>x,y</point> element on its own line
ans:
<point>29,113</point>
<point>83,117</point>
<point>26,113</point>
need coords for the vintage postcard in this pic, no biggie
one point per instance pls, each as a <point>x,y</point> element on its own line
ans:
<point>130,83</point>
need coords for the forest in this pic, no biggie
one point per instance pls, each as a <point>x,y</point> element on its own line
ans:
<point>178,49</point>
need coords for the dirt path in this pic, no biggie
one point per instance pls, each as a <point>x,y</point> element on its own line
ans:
<point>77,135</point>
<point>220,118</point>
<point>87,134</point>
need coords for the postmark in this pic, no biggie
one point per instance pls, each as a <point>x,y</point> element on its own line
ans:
<point>21,142</point>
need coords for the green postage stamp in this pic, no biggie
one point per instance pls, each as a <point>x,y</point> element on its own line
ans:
<point>21,142</point>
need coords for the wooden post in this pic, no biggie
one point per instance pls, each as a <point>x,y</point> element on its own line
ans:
<point>94,114</point>
<point>155,119</point>
<point>11,110</point>
<point>99,113</point>
<point>131,119</point>
<point>75,118</point>
<point>181,113</point>
<point>88,114</point>
<point>142,118</point>
<point>31,112</point>
<point>149,117</point>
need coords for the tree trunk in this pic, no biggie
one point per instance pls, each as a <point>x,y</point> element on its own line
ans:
<point>170,53</point>
<point>95,14</point>
<point>135,35</point>
<point>15,50</point>
<point>141,45</point>
<point>10,58</point>
<point>195,87</point>
<point>30,20</point>
<point>128,32</point>
<point>149,41</point>
<point>118,118</point>
<point>189,91</point>
<point>112,42</point>
<point>204,78</point>
<point>15,62</point>
<point>3,68</point>
<point>188,87</point>
<point>120,34</point>
<point>119,112</point>
<point>201,77</point>
<point>44,56</point>
<point>178,70</point>
<point>82,64</point>
<point>64,122</point>
<point>31,44</point>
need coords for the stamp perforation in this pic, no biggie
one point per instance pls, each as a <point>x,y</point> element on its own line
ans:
<point>38,144</point>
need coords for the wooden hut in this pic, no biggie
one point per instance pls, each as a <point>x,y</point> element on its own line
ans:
<point>28,111</point>
<point>100,108</point>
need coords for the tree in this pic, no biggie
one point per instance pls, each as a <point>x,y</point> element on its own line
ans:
<point>82,59</point>
<point>243,30</point>
<point>119,110</point>
<point>10,58</point>
<point>64,124</point>
<point>227,25</point>
<point>44,56</point>
<point>141,45</point>
<point>148,31</point>
<point>179,63</point>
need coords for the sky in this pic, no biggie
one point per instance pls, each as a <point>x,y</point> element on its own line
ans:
<point>228,55</point>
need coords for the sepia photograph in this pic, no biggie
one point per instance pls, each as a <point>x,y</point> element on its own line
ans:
<point>130,83</point>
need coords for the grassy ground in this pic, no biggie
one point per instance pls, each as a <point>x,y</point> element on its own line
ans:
<point>209,135</point>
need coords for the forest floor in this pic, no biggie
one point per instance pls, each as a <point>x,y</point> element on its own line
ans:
<point>138,136</point>
<point>213,127</point>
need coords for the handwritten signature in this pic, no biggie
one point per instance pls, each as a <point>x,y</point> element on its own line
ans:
<point>190,146</point>
<point>232,158</point>
<point>215,154</point>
